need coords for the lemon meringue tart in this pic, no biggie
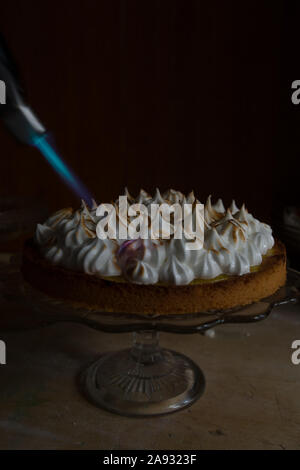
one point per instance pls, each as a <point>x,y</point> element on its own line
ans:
<point>237,263</point>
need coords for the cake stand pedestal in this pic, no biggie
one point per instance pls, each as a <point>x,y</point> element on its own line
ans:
<point>147,380</point>
<point>143,380</point>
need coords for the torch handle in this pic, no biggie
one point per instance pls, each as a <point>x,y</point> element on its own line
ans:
<point>15,113</point>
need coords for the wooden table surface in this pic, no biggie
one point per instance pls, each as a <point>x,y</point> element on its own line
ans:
<point>251,401</point>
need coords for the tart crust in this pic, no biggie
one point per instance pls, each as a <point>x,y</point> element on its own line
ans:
<point>119,296</point>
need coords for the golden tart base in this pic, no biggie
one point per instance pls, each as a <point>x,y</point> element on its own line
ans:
<point>114,294</point>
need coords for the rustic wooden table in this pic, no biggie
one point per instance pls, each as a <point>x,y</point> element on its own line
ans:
<point>251,401</point>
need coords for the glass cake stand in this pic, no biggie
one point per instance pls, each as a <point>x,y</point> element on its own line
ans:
<point>146,379</point>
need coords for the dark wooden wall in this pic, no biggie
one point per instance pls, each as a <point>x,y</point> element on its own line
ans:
<point>145,93</point>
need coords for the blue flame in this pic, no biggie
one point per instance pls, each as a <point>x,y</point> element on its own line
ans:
<point>41,142</point>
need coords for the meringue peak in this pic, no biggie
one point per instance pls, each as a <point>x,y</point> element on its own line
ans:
<point>233,207</point>
<point>210,213</point>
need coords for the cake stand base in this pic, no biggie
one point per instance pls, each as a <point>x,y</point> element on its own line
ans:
<point>145,380</point>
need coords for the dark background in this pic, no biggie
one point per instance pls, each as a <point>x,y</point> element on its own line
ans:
<point>184,94</point>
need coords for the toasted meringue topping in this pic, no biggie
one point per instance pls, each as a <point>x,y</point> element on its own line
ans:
<point>233,242</point>
<point>212,213</point>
